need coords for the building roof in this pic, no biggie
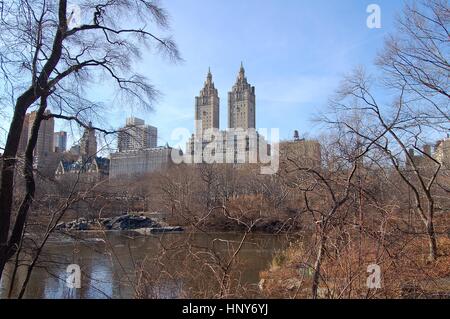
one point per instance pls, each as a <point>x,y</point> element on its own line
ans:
<point>97,163</point>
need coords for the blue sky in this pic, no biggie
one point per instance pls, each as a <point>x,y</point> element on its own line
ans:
<point>294,53</point>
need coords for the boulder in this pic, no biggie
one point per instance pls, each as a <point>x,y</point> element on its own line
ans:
<point>130,222</point>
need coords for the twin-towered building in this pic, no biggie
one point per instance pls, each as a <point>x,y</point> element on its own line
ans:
<point>138,153</point>
<point>233,144</point>
<point>241,105</point>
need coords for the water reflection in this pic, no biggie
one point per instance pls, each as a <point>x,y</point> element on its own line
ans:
<point>118,265</point>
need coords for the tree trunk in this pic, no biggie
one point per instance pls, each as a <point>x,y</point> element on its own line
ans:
<point>433,254</point>
<point>8,170</point>
<point>24,208</point>
<point>30,96</point>
<point>317,267</point>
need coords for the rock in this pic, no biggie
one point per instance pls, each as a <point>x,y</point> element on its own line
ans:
<point>130,222</point>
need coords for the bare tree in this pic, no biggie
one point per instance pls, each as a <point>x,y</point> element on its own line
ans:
<point>416,57</point>
<point>44,57</point>
<point>325,195</point>
<point>394,130</point>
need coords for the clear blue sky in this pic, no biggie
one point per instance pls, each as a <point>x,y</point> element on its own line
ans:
<point>294,53</point>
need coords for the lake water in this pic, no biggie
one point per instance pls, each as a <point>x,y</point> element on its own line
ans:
<point>121,265</point>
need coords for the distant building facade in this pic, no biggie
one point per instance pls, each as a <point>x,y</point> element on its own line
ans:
<point>306,153</point>
<point>82,162</point>
<point>92,170</point>
<point>45,160</point>
<point>138,162</point>
<point>60,141</point>
<point>44,145</point>
<point>421,160</point>
<point>88,143</point>
<point>136,135</point>
<point>230,147</point>
<point>75,150</point>
<point>442,152</point>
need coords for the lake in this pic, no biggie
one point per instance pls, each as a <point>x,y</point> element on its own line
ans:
<point>176,265</point>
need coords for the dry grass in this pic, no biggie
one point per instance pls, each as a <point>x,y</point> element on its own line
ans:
<point>406,272</point>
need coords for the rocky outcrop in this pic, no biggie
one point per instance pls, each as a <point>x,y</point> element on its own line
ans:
<point>124,222</point>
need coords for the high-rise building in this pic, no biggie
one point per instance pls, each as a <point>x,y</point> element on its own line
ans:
<point>60,141</point>
<point>207,106</point>
<point>88,143</point>
<point>136,135</point>
<point>44,145</point>
<point>242,104</point>
<point>44,158</point>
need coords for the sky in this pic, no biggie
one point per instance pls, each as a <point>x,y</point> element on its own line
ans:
<point>294,52</point>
